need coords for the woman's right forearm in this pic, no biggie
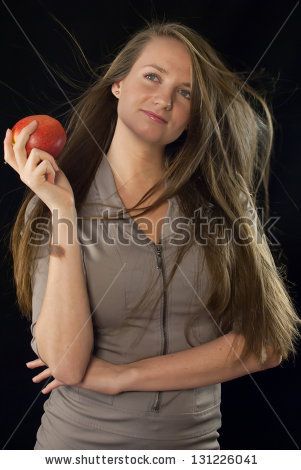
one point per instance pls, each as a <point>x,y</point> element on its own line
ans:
<point>64,330</point>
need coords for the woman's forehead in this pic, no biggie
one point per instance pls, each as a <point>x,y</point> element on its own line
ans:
<point>164,47</point>
<point>168,55</point>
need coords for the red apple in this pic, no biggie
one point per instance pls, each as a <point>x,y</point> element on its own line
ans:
<point>49,134</point>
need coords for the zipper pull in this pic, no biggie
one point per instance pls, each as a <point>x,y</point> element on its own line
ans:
<point>159,257</point>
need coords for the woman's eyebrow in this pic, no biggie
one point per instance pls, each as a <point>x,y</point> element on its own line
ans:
<point>162,70</point>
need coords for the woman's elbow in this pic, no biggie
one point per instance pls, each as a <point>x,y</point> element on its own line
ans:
<point>69,370</point>
<point>274,361</point>
<point>72,376</point>
<point>68,379</point>
<point>272,358</point>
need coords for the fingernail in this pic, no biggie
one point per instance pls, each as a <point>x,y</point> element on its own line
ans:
<point>34,379</point>
<point>43,391</point>
<point>33,123</point>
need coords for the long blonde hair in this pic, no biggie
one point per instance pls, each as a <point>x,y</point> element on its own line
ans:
<point>223,155</point>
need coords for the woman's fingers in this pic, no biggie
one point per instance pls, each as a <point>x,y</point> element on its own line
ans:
<point>36,156</point>
<point>52,385</point>
<point>40,166</point>
<point>21,141</point>
<point>37,177</point>
<point>43,375</point>
<point>9,155</point>
<point>35,363</point>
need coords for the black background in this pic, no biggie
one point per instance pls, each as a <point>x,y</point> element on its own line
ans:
<point>258,412</point>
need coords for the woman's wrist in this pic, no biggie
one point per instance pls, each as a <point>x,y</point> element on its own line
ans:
<point>104,377</point>
<point>69,212</point>
<point>64,225</point>
<point>127,376</point>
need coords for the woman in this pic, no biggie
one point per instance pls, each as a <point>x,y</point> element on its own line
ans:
<point>138,325</point>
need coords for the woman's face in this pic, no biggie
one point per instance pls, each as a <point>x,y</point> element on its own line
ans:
<point>165,93</point>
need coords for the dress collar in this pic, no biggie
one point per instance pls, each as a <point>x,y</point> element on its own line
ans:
<point>108,201</point>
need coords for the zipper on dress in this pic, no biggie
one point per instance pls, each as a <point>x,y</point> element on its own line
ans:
<point>160,265</point>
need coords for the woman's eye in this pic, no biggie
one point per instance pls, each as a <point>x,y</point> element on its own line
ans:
<point>186,94</point>
<point>151,75</point>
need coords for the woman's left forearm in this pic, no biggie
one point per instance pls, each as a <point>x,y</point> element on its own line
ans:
<point>101,376</point>
<point>196,367</point>
<point>213,362</point>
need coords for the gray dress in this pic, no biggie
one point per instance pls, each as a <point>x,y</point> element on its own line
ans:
<point>120,264</point>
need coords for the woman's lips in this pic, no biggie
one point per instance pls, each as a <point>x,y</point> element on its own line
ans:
<point>154,117</point>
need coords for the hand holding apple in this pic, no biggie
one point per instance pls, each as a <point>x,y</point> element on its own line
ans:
<point>38,169</point>
<point>49,134</point>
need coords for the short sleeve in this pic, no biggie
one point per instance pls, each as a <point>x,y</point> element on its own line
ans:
<point>39,276</point>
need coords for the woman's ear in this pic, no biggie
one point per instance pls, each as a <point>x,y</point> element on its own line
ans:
<point>115,88</point>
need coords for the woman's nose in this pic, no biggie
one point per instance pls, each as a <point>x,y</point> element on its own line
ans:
<point>164,101</point>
